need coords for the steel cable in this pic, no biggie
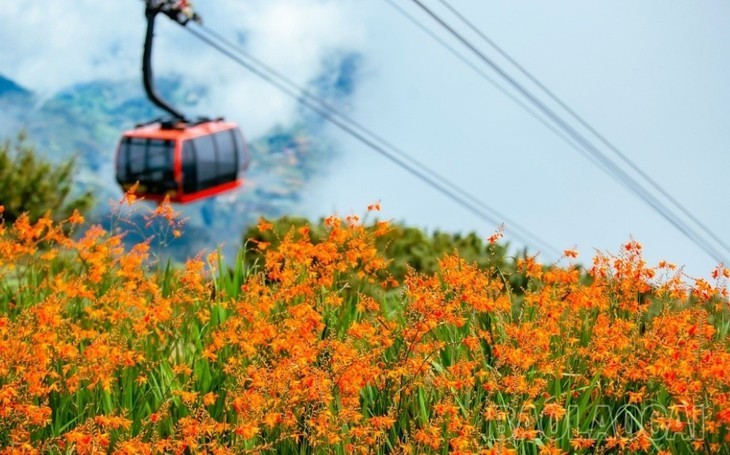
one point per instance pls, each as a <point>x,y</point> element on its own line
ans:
<point>371,140</point>
<point>588,149</point>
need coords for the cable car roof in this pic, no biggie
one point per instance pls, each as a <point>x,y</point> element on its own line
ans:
<point>186,131</point>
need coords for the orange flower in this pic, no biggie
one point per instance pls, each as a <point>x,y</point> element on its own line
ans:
<point>374,207</point>
<point>497,235</point>
<point>551,449</point>
<point>76,218</point>
<point>246,431</point>
<point>636,397</point>
<point>264,225</point>
<point>209,399</point>
<point>582,443</point>
<point>553,410</point>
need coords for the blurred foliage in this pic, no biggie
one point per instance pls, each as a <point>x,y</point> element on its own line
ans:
<point>33,185</point>
<point>403,246</point>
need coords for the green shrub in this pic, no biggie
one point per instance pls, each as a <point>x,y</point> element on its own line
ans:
<point>403,246</point>
<point>33,185</point>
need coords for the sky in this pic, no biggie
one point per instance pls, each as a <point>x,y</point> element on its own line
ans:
<point>651,76</point>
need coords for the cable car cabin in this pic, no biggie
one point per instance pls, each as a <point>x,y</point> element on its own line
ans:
<point>185,163</point>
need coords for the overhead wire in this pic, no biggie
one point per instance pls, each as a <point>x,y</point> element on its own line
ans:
<point>370,139</point>
<point>586,147</point>
<point>483,74</point>
<point>583,122</point>
<point>631,184</point>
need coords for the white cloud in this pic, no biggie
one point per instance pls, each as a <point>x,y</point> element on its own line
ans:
<point>48,45</point>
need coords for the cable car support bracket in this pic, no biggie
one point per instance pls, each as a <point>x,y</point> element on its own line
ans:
<point>181,12</point>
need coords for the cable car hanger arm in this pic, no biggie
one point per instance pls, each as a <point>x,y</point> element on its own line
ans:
<point>179,11</point>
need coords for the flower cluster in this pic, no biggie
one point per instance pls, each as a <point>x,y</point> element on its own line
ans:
<point>318,350</point>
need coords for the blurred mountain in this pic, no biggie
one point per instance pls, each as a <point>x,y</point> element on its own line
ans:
<point>8,88</point>
<point>86,120</point>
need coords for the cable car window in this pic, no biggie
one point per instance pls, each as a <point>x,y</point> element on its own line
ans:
<point>159,156</point>
<point>226,155</point>
<point>122,163</point>
<point>147,161</point>
<point>205,158</point>
<point>190,177</point>
<point>240,149</point>
<point>136,151</point>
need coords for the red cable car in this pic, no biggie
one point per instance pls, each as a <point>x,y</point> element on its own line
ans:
<point>183,163</point>
<point>178,159</point>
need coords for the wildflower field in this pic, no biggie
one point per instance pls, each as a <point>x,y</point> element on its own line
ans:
<point>319,350</point>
